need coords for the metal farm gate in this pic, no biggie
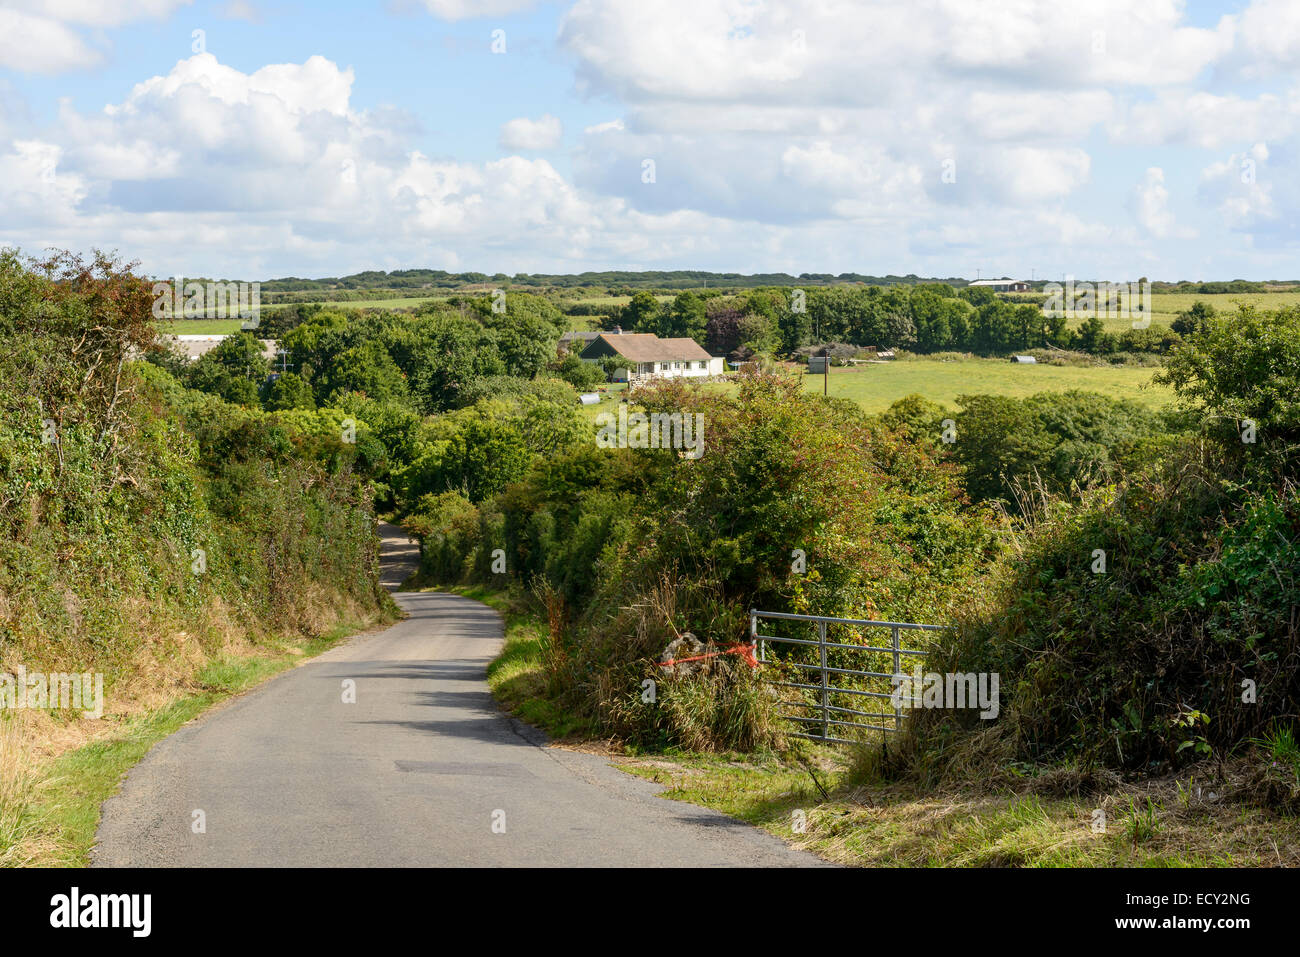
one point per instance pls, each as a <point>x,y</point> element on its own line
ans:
<point>831,704</point>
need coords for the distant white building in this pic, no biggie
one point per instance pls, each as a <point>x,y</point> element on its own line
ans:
<point>653,357</point>
<point>1002,285</point>
<point>192,347</point>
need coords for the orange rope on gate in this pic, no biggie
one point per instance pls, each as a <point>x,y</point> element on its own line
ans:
<point>745,651</point>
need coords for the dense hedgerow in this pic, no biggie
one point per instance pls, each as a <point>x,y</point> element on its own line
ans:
<point>638,546</point>
<point>1188,643</point>
<point>112,475</point>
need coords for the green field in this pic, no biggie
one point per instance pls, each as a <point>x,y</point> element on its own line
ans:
<point>1165,307</point>
<point>876,386</point>
<point>406,302</point>
<point>200,327</point>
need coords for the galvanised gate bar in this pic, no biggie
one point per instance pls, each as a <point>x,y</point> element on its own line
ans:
<point>830,716</point>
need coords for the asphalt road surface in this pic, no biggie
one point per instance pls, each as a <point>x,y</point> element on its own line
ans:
<point>421,770</point>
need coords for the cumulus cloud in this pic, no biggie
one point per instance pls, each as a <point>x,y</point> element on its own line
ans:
<point>34,190</point>
<point>838,51</point>
<point>34,44</point>
<point>1241,189</point>
<point>807,135</point>
<point>1208,120</point>
<point>1151,207</point>
<point>543,133</point>
<point>277,167</point>
<point>42,36</point>
<point>1270,34</point>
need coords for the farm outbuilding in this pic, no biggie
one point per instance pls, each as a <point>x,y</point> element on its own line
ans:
<point>1002,285</point>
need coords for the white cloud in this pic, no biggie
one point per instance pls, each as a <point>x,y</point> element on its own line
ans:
<point>998,114</point>
<point>32,44</point>
<point>822,52</point>
<point>807,135</point>
<point>612,126</point>
<point>240,10</point>
<point>1151,207</point>
<point>543,133</point>
<point>1270,34</point>
<point>275,172</point>
<point>34,190</point>
<point>1241,189</point>
<point>1033,175</point>
<point>99,13</point>
<point>465,9</point>
<point>39,36</point>
<point>1208,120</point>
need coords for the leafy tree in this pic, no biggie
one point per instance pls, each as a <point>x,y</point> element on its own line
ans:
<point>612,364</point>
<point>1057,439</point>
<point>722,332</point>
<point>469,453</point>
<point>447,354</point>
<point>555,391</point>
<point>758,332</point>
<point>642,313</point>
<point>1092,335</point>
<point>1242,366</point>
<point>583,376</point>
<point>1193,319</point>
<point>685,320</point>
<point>366,368</point>
<point>526,333</point>
<point>234,370</point>
<point>288,391</point>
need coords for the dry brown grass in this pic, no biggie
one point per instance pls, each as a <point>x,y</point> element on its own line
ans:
<point>1199,817</point>
<point>20,840</point>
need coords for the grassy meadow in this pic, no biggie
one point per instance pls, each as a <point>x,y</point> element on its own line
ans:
<point>200,327</point>
<point>876,386</point>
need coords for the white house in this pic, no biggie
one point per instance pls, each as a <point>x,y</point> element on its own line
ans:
<point>653,357</point>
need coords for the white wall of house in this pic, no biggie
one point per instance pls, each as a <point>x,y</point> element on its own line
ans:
<point>678,369</point>
<point>674,369</point>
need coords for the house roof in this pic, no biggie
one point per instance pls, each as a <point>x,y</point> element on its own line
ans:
<point>999,282</point>
<point>647,347</point>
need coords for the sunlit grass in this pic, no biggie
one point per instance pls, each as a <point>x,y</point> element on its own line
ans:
<point>877,385</point>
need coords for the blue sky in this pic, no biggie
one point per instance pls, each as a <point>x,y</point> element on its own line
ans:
<point>1104,139</point>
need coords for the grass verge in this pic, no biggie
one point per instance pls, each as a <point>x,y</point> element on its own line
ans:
<point>518,676</point>
<point>1163,823</point>
<point>813,799</point>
